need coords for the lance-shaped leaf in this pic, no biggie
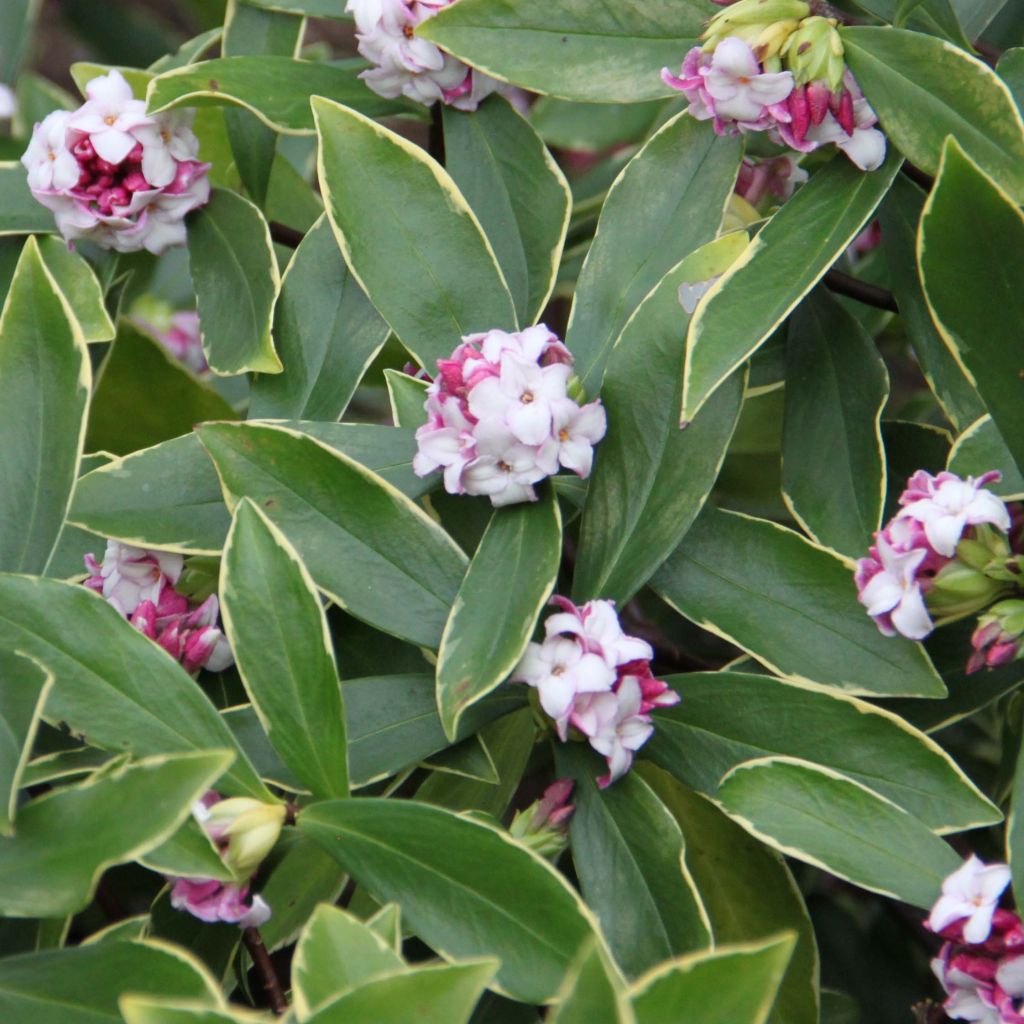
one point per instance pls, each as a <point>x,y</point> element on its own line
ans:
<point>732,985</point>
<point>1011,70</point>
<point>78,281</point>
<point>406,396</point>
<point>747,890</point>
<point>925,89</point>
<point>45,379</point>
<point>279,636</point>
<point>234,271</point>
<point>510,578</point>
<point>790,604</point>
<point>82,984</point>
<point>624,840</point>
<point>593,992</point>
<point>326,331</point>
<point>512,903</point>
<point>968,227</point>
<point>651,478</point>
<point>517,191</point>
<point>573,49</point>
<point>111,683</point>
<point>335,953</point>
<point>20,212</point>
<point>836,388</point>
<point>726,718</point>
<point>124,417</point>
<point>667,202</point>
<point>828,820</point>
<point>899,217</point>
<point>408,235</point>
<point>981,448</point>
<point>784,262</point>
<point>23,689</point>
<point>144,1010</point>
<point>368,547</point>
<point>440,994</point>
<point>169,496</point>
<point>276,89</point>
<point>113,818</point>
<point>189,853</point>
<point>312,8</point>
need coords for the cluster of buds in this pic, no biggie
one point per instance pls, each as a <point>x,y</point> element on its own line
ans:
<point>946,553</point>
<point>591,676</point>
<point>500,418</point>
<point>770,66</point>
<point>981,963</point>
<point>405,64</point>
<point>178,333</point>
<point>140,584</point>
<point>543,825</point>
<point>777,177</point>
<point>115,175</point>
<point>244,831</point>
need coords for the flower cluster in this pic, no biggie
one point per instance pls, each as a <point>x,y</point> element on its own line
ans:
<point>405,64</point>
<point>115,175</point>
<point>591,676</point>
<point>777,177</point>
<point>767,66</point>
<point>981,963</point>
<point>244,830</point>
<point>139,583</point>
<point>500,418</point>
<point>180,336</point>
<point>936,556</point>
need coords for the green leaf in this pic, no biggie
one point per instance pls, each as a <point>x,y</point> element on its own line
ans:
<point>726,718</point>
<point>573,49</point>
<point>593,992</point>
<point>975,15</point>
<point>784,262</point>
<point>406,396</point>
<point>957,240</point>
<point>45,379</point>
<point>981,448</point>
<point>495,611</point>
<point>336,953</point>
<point>592,127</point>
<point>731,985</point>
<point>408,235</point>
<point>81,985</point>
<point>747,890</point>
<point>113,818</point>
<point>517,191</point>
<point>124,416</point>
<point>924,89</point>
<point>327,333</point>
<point>512,903</point>
<point>80,286</point>
<point>20,212</point>
<point>169,496</point>
<point>188,853</point>
<point>279,636</point>
<point>112,683</point>
<point>313,8</point>
<point>189,51</point>
<point>667,202</point>
<point>393,722</point>
<point>625,841</point>
<point>235,274</point>
<point>900,215</point>
<point>790,604</point>
<point>651,478</point>
<point>141,1010</point>
<point>276,89</point>
<point>824,818</point>
<point>436,993</point>
<point>369,548</point>
<point>17,21</point>
<point>23,689</point>
<point>836,388</point>
<point>1011,70</point>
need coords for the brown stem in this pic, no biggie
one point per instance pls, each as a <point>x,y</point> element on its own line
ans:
<point>261,958</point>
<point>284,235</point>
<point>861,291</point>
<point>435,140</point>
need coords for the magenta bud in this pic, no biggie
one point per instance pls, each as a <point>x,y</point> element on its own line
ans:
<point>103,167</point>
<point>844,114</point>
<point>135,182</point>
<point>819,97</point>
<point>83,149</point>
<point>799,110</point>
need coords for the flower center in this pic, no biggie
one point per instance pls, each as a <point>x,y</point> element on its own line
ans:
<point>407,31</point>
<point>165,135</point>
<point>527,397</point>
<point>563,434</point>
<point>504,466</point>
<point>110,119</point>
<point>743,80</point>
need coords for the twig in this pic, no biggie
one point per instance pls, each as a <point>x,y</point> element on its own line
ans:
<point>284,235</point>
<point>861,291</point>
<point>435,140</point>
<point>261,958</point>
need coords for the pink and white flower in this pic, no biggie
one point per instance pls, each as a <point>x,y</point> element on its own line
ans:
<point>970,895</point>
<point>215,902</point>
<point>114,174</point>
<point>740,89</point>
<point>183,340</point>
<point>889,589</point>
<point>777,177</point>
<point>614,725</point>
<point>969,998</point>
<point>128,576</point>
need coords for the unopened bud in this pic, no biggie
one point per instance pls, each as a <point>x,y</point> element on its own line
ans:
<point>997,639</point>
<point>250,829</point>
<point>542,826</point>
<point>814,52</point>
<point>959,589</point>
<point>749,19</point>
